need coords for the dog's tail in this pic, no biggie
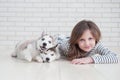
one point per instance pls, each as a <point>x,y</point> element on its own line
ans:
<point>14,54</point>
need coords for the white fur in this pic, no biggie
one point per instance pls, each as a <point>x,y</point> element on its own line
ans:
<point>26,50</point>
<point>45,42</point>
<point>36,49</point>
<point>49,56</point>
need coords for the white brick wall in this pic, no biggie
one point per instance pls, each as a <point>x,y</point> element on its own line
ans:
<point>21,19</point>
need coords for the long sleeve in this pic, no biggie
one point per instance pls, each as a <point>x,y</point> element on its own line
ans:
<point>104,55</point>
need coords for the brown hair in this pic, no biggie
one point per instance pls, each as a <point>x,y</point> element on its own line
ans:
<point>74,51</point>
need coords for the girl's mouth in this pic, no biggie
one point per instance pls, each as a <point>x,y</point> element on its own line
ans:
<point>88,47</point>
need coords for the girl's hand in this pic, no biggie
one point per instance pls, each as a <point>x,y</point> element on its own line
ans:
<point>85,60</point>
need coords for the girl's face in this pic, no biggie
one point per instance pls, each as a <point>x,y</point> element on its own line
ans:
<point>86,42</point>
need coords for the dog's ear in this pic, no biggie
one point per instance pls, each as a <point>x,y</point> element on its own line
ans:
<point>55,38</point>
<point>42,34</point>
<point>53,48</point>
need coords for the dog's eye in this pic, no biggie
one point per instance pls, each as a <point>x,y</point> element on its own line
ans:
<point>43,39</point>
<point>52,54</point>
<point>49,41</point>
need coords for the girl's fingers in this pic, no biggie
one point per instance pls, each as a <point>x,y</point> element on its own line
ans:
<point>76,61</point>
<point>80,61</point>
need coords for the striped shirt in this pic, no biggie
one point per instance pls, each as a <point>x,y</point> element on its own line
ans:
<point>99,53</point>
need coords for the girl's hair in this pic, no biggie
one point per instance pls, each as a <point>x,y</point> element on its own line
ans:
<point>74,50</point>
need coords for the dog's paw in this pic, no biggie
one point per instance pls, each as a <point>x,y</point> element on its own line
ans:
<point>28,58</point>
<point>13,54</point>
<point>39,59</point>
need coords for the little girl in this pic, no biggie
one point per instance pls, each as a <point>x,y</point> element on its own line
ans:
<point>85,47</point>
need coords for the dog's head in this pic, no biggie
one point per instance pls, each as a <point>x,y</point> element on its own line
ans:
<point>49,55</point>
<point>45,42</point>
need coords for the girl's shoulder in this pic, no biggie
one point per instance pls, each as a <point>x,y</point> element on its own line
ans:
<point>99,45</point>
<point>101,49</point>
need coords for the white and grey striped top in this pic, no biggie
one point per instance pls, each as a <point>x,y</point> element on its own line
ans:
<point>99,53</point>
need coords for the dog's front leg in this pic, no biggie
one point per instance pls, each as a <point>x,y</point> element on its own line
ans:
<point>14,54</point>
<point>27,55</point>
<point>38,59</point>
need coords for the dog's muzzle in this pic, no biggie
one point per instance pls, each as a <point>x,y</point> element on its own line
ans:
<point>44,44</point>
<point>47,59</point>
<point>42,48</point>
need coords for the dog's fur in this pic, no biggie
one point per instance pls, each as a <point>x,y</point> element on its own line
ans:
<point>51,54</point>
<point>42,49</point>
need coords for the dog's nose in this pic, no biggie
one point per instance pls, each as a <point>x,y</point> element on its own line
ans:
<point>44,44</point>
<point>47,59</point>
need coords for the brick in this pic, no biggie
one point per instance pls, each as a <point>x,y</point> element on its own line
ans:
<point>24,19</point>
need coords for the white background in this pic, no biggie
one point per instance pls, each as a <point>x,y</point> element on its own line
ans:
<point>21,19</point>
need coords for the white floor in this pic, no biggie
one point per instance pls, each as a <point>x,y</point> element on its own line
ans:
<point>14,69</point>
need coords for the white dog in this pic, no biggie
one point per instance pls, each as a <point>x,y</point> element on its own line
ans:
<point>50,54</point>
<point>41,50</point>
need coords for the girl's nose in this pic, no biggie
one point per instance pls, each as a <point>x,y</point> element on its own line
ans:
<point>86,42</point>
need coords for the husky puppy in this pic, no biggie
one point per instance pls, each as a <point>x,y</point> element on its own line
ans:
<point>50,54</point>
<point>31,49</point>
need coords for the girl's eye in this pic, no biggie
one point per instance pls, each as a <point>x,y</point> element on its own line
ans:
<point>52,54</point>
<point>81,40</point>
<point>90,38</point>
<point>43,39</point>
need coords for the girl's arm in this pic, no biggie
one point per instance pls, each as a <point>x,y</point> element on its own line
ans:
<point>104,55</point>
<point>86,60</point>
